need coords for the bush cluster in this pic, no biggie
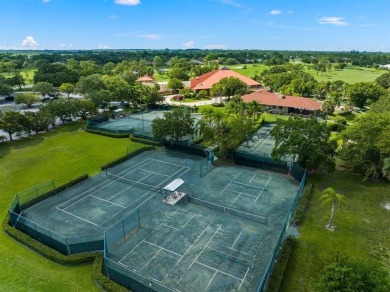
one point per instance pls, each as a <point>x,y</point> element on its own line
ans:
<point>275,279</point>
<point>107,134</point>
<point>143,141</point>
<point>102,280</point>
<point>218,104</point>
<point>302,205</point>
<point>335,127</point>
<point>44,250</point>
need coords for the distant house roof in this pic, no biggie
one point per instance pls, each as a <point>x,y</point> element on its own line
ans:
<point>145,78</point>
<point>274,99</point>
<point>207,80</point>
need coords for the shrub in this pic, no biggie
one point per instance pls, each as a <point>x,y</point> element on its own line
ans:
<point>107,134</point>
<point>276,276</point>
<point>302,205</point>
<point>178,97</point>
<point>44,250</point>
<point>144,141</point>
<point>217,104</point>
<point>102,280</point>
<point>340,120</point>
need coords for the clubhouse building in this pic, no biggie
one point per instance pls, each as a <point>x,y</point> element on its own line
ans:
<point>206,81</point>
<point>284,104</point>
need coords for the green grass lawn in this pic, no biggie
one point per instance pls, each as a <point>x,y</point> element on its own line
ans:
<point>61,154</point>
<point>351,74</point>
<point>361,229</point>
<point>189,100</point>
<point>251,69</point>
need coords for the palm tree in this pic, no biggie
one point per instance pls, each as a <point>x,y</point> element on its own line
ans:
<point>328,197</point>
<point>254,107</point>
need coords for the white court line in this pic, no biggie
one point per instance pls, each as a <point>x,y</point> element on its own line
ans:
<point>193,213</point>
<point>230,182</point>
<point>106,201</point>
<point>163,248</point>
<point>131,251</point>
<point>242,281</point>
<point>219,271</point>
<point>260,140</point>
<point>226,255</point>
<point>263,189</point>
<point>205,246</point>
<point>174,164</point>
<point>151,260</point>
<point>149,197</point>
<point>80,218</point>
<point>98,185</point>
<point>241,193</point>
<point>236,239</point>
<point>187,251</point>
<point>153,172</point>
<point>252,178</point>
<point>230,248</point>
<point>211,280</point>
<point>143,276</point>
<point>188,221</point>
<point>170,226</point>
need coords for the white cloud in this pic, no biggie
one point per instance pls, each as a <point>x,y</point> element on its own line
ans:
<point>62,46</point>
<point>128,2</point>
<point>103,46</point>
<point>275,12</point>
<point>45,1</point>
<point>150,36</point>
<point>189,44</point>
<point>332,20</point>
<point>29,42</point>
<point>216,47</point>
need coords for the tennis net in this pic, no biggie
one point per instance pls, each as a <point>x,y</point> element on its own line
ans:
<point>247,186</point>
<point>132,182</point>
<point>235,212</point>
<point>212,250</point>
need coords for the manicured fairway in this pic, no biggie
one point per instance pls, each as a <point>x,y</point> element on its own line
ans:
<point>65,153</point>
<point>361,229</point>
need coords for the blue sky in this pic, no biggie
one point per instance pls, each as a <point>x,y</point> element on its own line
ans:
<point>329,25</point>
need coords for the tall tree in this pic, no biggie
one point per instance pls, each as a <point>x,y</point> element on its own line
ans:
<point>229,86</point>
<point>307,141</point>
<point>175,84</point>
<point>27,98</point>
<point>10,122</point>
<point>330,197</point>
<point>174,125</point>
<point>363,93</point>
<point>67,88</point>
<point>44,88</point>
<point>367,144</point>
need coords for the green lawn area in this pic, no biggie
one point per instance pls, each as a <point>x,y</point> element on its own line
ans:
<point>251,69</point>
<point>361,229</point>
<point>189,100</point>
<point>62,154</point>
<point>351,74</point>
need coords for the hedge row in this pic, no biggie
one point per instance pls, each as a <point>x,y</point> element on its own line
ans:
<point>302,205</point>
<point>275,279</point>
<point>44,250</point>
<point>126,157</point>
<point>107,134</point>
<point>42,197</point>
<point>102,280</point>
<point>143,141</point>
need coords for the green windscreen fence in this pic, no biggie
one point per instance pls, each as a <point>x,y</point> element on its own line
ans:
<point>282,235</point>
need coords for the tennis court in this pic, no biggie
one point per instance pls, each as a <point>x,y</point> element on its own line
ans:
<point>139,123</point>
<point>215,238</point>
<point>261,142</point>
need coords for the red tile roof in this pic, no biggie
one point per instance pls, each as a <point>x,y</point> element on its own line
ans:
<point>274,99</point>
<point>145,78</point>
<point>207,80</point>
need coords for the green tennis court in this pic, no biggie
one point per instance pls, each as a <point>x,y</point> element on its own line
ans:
<point>220,236</point>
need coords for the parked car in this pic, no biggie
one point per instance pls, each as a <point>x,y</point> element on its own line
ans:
<point>9,98</point>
